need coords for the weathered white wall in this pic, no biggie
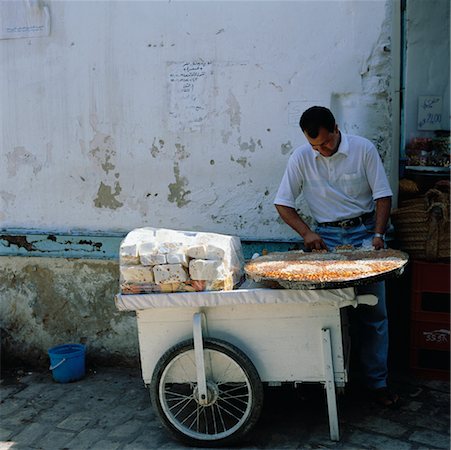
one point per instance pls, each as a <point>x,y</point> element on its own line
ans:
<point>51,301</point>
<point>104,127</point>
<point>427,70</point>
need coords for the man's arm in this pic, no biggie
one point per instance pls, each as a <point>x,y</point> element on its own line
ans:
<point>383,208</point>
<point>291,217</point>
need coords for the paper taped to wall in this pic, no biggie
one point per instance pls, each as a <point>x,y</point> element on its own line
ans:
<point>24,19</point>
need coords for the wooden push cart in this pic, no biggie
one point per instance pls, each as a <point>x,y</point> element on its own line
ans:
<point>205,355</point>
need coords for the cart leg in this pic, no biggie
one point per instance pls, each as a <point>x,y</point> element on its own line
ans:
<point>330,385</point>
<point>199,357</point>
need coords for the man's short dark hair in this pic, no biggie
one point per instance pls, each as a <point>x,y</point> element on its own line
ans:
<point>315,118</point>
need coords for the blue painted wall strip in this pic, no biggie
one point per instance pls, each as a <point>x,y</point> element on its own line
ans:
<point>97,246</point>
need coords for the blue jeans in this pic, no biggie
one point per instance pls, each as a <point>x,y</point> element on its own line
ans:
<point>369,323</point>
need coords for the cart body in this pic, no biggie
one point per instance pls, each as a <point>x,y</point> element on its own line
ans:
<point>288,335</point>
<point>284,342</point>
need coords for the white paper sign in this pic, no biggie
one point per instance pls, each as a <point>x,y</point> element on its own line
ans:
<point>190,84</point>
<point>429,112</point>
<point>24,19</point>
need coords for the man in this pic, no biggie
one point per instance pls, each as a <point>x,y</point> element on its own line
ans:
<point>345,186</point>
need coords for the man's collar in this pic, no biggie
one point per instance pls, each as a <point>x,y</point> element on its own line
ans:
<point>343,148</point>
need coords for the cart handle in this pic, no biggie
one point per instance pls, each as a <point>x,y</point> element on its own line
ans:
<point>367,299</point>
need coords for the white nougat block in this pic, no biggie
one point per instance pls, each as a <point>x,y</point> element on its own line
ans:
<point>152,259</point>
<point>177,258</point>
<point>208,270</point>
<point>205,252</point>
<point>197,251</point>
<point>170,247</point>
<point>214,252</point>
<point>147,247</point>
<point>170,273</point>
<point>136,274</point>
<point>129,249</point>
<point>128,254</point>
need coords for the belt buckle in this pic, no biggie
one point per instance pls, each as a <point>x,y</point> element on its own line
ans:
<point>350,222</point>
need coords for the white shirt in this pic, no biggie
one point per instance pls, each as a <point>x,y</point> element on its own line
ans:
<point>338,187</point>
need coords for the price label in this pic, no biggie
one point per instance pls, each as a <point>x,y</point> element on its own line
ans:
<point>429,112</point>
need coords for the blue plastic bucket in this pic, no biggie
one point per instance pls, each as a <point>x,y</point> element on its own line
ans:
<point>67,362</point>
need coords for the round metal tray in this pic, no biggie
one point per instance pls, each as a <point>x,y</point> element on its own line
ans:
<point>290,268</point>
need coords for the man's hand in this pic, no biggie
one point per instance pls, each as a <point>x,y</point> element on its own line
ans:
<point>378,243</point>
<point>313,241</point>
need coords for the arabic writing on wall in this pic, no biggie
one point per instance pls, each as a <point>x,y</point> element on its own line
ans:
<point>189,86</point>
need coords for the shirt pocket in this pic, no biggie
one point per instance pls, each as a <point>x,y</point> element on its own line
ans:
<point>353,183</point>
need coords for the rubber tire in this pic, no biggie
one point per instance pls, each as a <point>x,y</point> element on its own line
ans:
<point>246,365</point>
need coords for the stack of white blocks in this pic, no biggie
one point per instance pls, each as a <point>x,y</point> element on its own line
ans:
<point>153,260</point>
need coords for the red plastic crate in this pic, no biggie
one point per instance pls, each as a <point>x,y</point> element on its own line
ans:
<point>430,276</point>
<point>430,335</point>
<point>431,306</point>
<point>430,315</point>
<point>430,364</point>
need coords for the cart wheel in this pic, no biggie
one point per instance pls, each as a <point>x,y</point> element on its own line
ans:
<point>234,391</point>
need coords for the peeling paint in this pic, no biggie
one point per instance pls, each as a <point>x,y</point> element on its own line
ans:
<point>234,111</point>
<point>107,165</point>
<point>251,145</point>
<point>155,150</point>
<point>102,150</point>
<point>226,136</point>
<point>177,191</point>
<point>19,241</point>
<point>242,161</point>
<point>106,198</point>
<point>286,148</point>
<point>67,246</point>
<point>180,152</point>
<point>96,245</point>
<point>20,157</point>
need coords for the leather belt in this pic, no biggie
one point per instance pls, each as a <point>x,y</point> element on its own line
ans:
<point>348,223</point>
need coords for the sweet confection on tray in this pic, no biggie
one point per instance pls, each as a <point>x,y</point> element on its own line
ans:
<point>163,260</point>
<point>330,267</point>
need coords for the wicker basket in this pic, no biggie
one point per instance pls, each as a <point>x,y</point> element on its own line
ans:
<point>422,226</point>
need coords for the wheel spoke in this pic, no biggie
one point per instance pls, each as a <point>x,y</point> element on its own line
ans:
<point>188,417</point>
<point>237,398</point>
<point>172,407</point>
<point>186,401</point>
<point>220,416</point>
<point>229,413</point>
<point>231,404</point>
<point>177,395</point>
<point>212,409</point>
<point>238,392</point>
<point>223,375</point>
<point>206,420</point>
<point>197,418</point>
<point>180,363</point>
<point>240,386</point>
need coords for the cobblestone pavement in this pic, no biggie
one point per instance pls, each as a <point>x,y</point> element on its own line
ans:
<point>110,409</point>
